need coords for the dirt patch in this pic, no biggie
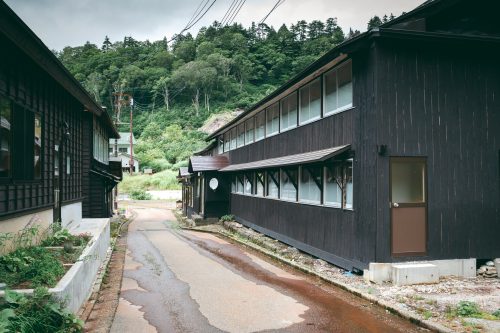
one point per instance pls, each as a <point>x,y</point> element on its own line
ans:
<point>102,307</point>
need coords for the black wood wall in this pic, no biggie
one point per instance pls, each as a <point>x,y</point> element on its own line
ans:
<point>443,102</point>
<point>30,87</point>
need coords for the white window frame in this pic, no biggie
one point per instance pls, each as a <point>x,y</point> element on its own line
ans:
<point>344,107</point>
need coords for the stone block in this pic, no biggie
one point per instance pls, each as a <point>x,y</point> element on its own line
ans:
<point>408,274</point>
<point>380,272</point>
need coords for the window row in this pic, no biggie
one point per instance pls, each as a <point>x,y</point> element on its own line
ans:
<point>329,184</point>
<point>22,129</point>
<point>101,143</point>
<point>298,108</point>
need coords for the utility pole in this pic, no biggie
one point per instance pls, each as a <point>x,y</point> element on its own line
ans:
<point>131,136</point>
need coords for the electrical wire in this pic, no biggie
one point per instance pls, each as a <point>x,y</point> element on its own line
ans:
<point>278,3</point>
<point>192,22</point>
<point>226,15</point>
<point>236,13</point>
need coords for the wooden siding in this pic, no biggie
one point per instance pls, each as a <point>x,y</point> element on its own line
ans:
<point>441,102</point>
<point>30,87</point>
<point>345,238</point>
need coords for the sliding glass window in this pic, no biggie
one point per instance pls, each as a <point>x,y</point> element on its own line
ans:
<point>333,183</point>
<point>5,136</point>
<point>239,184</point>
<point>233,138</point>
<point>241,135</point>
<point>273,184</point>
<point>227,141</point>
<point>289,112</point>
<point>273,119</point>
<point>248,189</point>
<point>249,126</point>
<point>260,126</point>
<point>310,184</point>
<point>289,179</point>
<point>233,184</point>
<point>310,102</point>
<point>220,147</point>
<point>259,184</point>
<point>338,89</point>
<point>349,184</point>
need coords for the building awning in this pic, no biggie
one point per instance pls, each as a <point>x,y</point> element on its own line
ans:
<point>310,157</point>
<point>207,163</point>
<point>183,172</point>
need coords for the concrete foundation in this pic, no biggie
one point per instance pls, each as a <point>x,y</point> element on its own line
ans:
<point>408,274</point>
<point>384,272</point>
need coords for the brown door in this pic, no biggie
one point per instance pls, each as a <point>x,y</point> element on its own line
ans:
<point>408,206</point>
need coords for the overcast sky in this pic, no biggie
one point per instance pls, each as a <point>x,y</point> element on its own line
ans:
<point>61,23</point>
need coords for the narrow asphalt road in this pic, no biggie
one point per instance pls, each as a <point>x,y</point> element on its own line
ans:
<point>183,281</point>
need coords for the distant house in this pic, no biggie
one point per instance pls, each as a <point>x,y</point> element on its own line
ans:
<point>386,149</point>
<point>51,132</point>
<point>123,151</point>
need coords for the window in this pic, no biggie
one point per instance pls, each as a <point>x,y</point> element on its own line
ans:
<point>273,184</point>
<point>5,136</point>
<point>310,102</point>
<point>233,184</point>
<point>338,188</point>
<point>249,130</point>
<point>37,169</point>
<point>220,147</point>
<point>233,138</point>
<point>227,141</point>
<point>333,183</point>
<point>122,150</point>
<point>241,135</point>
<point>110,150</point>
<point>101,143</point>
<point>289,112</point>
<point>259,191</point>
<point>310,184</point>
<point>239,184</point>
<point>273,119</point>
<point>338,89</point>
<point>248,184</point>
<point>260,123</point>
<point>289,184</point>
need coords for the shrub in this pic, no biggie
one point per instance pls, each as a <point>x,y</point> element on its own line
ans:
<point>39,313</point>
<point>467,309</point>
<point>497,313</point>
<point>227,218</point>
<point>140,195</point>
<point>36,266</point>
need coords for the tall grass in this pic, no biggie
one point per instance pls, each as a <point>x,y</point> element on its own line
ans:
<point>164,180</point>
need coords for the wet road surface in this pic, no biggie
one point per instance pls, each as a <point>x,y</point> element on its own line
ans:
<point>183,281</point>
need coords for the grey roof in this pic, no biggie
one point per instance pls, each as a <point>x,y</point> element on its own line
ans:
<point>310,157</point>
<point>183,172</point>
<point>124,139</point>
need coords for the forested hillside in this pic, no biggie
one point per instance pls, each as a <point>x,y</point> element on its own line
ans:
<point>176,86</point>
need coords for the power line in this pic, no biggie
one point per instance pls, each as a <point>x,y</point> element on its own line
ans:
<point>237,11</point>
<point>226,15</point>
<point>278,3</point>
<point>191,23</point>
<point>196,12</point>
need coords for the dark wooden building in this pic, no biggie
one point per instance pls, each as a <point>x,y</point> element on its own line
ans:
<point>385,149</point>
<point>46,121</point>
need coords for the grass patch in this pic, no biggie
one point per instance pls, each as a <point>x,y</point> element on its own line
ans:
<point>470,310</point>
<point>164,180</point>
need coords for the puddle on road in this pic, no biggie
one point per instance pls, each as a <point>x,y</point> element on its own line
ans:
<point>330,309</point>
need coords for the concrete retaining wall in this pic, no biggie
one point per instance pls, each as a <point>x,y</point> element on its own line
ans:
<point>76,285</point>
<point>71,215</point>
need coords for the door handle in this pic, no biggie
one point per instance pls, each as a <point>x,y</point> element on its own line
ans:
<point>396,205</point>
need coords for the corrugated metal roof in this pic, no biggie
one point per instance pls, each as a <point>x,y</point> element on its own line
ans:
<point>183,172</point>
<point>310,157</point>
<point>207,163</point>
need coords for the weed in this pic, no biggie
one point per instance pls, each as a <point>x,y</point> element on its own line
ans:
<point>227,218</point>
<point>39,313</point>
<point>496,313</point>
<point>35,266</point>
<point>467,309</point>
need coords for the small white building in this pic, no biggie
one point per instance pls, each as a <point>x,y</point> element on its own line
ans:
<point>123,147</point>
<point>126,162</point>
<point>122,144</point>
